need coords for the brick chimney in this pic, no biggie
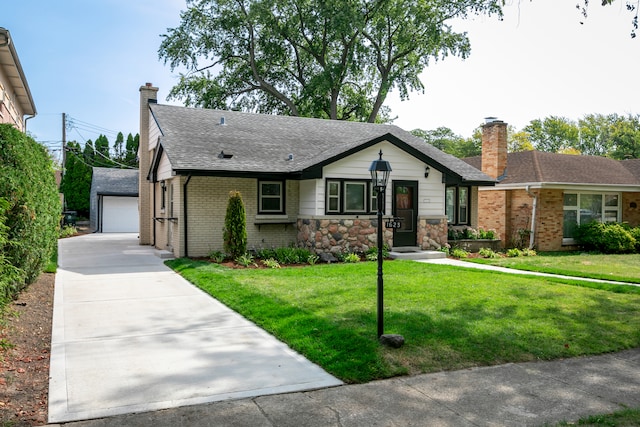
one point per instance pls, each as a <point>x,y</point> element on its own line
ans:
<point>494,147</point>
<point>148,94</point>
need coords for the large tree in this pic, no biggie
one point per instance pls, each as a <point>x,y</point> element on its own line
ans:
<point>552,134</point>
<point>633,6</point>
<point>76,181</point>
<point>335,59</point>
<point>446,140</point>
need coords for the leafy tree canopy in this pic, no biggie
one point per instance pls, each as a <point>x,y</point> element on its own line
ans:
<point>446,140</point>
<point>609,135</point>
<point>632,6</point>
<point>331,59</point>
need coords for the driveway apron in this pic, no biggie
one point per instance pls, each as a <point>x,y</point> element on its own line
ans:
<point>130,335</point>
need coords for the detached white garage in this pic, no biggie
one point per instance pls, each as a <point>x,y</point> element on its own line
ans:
<point>114,201</point>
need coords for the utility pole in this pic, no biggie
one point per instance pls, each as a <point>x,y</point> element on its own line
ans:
<point>64,141</point>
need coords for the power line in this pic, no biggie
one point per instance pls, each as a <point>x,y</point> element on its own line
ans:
<point>76,123</point>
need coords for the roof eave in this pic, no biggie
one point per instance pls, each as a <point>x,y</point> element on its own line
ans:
<point>23,93</point>
<point>565,186</point>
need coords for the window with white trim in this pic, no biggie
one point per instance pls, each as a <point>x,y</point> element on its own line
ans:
<point>350,197</point>
<point>583,208</point>
<point>271,197</point>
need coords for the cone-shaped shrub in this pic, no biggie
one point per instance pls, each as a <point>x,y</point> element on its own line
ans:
<point>235,226</point>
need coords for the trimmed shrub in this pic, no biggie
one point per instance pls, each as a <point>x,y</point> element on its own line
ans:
<point>31,212</point>
<point>9,275</point>
<point>608,238</point>
<point>235,226</point>
<point>635,233</point>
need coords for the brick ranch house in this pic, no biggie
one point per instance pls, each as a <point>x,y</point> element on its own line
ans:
<point>303,181</point>
<point>541,197</point>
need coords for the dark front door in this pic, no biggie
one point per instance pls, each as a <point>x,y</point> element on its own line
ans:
<point>405,207</point>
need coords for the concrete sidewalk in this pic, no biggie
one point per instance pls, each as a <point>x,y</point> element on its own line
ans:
<point>467,264</point>
<point>524,394</point>
<point>131,335</point>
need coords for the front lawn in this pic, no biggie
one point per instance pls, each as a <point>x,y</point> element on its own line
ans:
<point>451,318</point>
<point>623,268</point>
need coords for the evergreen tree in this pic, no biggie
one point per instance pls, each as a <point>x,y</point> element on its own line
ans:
<point>76,182</point>
<point>102,157</point>
<point>131,151</point>
<point>235,226</point>
<point>118,149</point>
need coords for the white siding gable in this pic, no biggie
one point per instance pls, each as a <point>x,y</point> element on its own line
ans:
<point>404,166</point>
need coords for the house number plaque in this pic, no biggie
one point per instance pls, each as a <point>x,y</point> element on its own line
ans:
<point>393,223</point>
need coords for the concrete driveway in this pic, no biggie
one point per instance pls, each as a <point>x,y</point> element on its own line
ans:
<point>130,335</point>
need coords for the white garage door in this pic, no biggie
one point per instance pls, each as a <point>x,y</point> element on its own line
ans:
<point>120,214</point>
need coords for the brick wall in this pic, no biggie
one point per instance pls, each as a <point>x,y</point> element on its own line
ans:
<point>520,221</point>
<point>629,213</point>
<point>207,199</point>
<point>145,189</point>
<point>494,148</point>
<point>550,220</point>
<point>493,208</point>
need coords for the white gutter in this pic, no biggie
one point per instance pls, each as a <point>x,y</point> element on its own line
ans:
<point>533,217</point>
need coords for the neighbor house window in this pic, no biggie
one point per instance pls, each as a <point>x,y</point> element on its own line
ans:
<point>457,205</point>
<point>271,197</point>
<point>583,208</point>
<point>349,196</point>
<point>163,196</point>
<point>171,200</point>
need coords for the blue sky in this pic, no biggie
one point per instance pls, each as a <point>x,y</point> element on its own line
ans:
<point>89,58</point>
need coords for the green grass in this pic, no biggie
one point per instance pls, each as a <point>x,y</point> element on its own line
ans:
<point>52,265</point>
<point>623,268</point>
<point>624,418</point>
<point>451,318</point>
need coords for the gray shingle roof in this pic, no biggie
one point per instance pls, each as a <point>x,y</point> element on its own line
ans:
<point>193,138</point>
<point>109,181</point>
<point>538,166</point>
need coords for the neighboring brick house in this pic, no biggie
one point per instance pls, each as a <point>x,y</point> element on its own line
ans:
<point>15,96</point>
<point>303,181</point>
<point>541,197</point>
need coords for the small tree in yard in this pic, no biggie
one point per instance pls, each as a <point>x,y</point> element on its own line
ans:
<point>235,226</point>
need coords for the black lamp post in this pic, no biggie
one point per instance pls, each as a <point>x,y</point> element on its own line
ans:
<point>380,170</point>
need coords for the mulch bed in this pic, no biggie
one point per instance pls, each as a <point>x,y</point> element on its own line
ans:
<point>24,367</point>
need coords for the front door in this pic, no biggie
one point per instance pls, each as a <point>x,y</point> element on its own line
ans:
<point>405,207</point>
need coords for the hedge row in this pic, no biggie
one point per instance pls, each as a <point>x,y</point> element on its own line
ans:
<point>29,211</point>
<point>609,237</point>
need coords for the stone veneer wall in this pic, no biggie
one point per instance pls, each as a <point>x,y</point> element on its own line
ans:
<point>358,235</point>
<point>432,233</point>
<point>340,235</point>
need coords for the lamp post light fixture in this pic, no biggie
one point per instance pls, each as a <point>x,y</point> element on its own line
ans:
<point>380,170</point>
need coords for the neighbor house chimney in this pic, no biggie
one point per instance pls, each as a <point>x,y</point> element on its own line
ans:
<point>148,94</point>
<point>494,148</point>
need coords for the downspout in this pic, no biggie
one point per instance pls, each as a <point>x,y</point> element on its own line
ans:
<point>99,224</point>
<point>533,217</point>
<point>25,121</point>
<point>154,215</point>
<point>184,220</point>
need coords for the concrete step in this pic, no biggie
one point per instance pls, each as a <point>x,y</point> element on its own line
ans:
<point>164,254</point>
<point>415,254</point>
